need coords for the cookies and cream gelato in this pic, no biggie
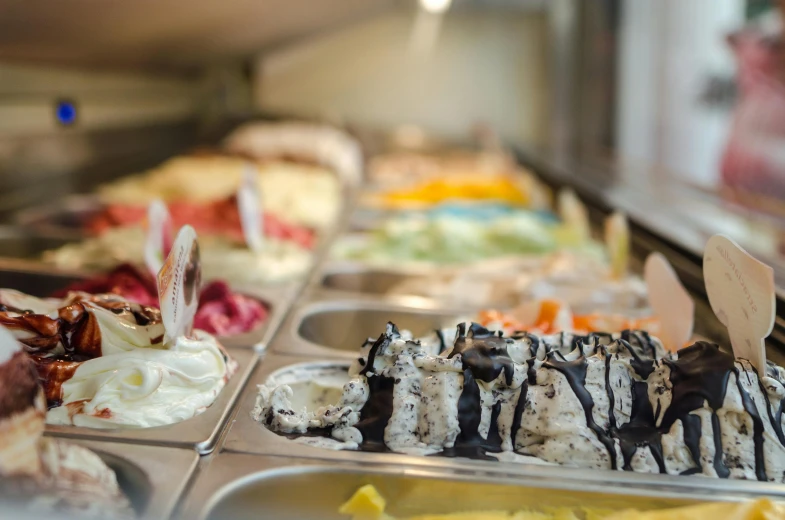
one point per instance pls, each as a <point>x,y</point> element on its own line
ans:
<point>602,401</point>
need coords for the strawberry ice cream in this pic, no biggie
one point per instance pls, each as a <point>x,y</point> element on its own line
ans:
<point>221,311</point>
<point>212,218</point>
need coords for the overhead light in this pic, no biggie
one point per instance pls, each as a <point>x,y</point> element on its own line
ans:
<point>435,6</point>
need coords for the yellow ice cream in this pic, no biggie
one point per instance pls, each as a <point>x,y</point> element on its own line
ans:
<point>368,504</point>
<point>497,188</point>
<point>763,509</point>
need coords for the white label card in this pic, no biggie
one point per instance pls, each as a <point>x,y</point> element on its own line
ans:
<point>574,214</point>
<point>617,240</point>
<point>159,236</point>
<point>179,282</point>
<point>741,294</point>
<point>249,205</point>
<point>670,301</point>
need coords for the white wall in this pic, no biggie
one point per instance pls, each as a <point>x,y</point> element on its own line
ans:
<point>485,66</point>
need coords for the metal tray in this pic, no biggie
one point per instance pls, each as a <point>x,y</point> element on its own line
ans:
<point>18,243</point>
<point>33,280</point>
<point>241,487</point>
<point>66,216</point>
<point>361,280</point>
<point>338,328</point>
<point>154,478</point>
<point>377,282</point>
<point>199,433</point>
<point>248,436</point>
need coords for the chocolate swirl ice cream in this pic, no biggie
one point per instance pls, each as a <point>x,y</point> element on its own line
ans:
<point>603,401</point>
<point>103,363</point>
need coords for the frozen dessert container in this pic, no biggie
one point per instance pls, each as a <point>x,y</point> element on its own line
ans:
<point>362,280</point>
<point>152,477</point>
<point>18,243</point>
<point>339,328</point>
<point>250,437</point>
<point>408,284</point>
<point>66,216</point>
<point>313,144</point>
<point>34,280</point>
<point>199,433</point>
<point>235,487</point>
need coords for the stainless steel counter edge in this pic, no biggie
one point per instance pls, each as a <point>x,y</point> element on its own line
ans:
<point>168,470</point>
<point>247,436</point>
<point>200,433</point>
<point>229,470</point>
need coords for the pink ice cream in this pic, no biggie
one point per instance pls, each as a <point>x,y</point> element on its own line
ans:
<point>221,311</point>
<point>219,217</point>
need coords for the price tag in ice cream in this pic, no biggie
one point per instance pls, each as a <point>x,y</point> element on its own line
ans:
<point>617,240</point>
<point>670,301</point>
<point>741,294</point>
<point>159,236</point>
<point>178,285</point>
<point>574,214</point>
<point>249,205</point>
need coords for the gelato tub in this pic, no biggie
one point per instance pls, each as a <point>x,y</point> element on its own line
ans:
<point>598,401</point>
<point>237,486</point>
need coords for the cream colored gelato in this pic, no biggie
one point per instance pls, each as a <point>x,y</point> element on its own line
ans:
<point>298,193</point>
<point>279,261</point>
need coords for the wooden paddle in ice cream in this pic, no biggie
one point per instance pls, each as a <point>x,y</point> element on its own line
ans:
<point>741,294</point>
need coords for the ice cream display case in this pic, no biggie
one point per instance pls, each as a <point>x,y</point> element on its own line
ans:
<point>296,419</point>
<point>267,260</point>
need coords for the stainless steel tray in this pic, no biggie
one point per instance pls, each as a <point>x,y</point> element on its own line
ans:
<point>199,433</point>
<point>340,279</point>
<point>153,477</point>
<point>248,436</point>
<point>34,280</point>
<point>66,216</point>
<point>18,243</point>
<point>243,487</point>
<point>338,328</point>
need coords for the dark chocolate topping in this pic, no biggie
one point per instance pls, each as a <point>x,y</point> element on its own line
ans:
<point>76,329</point>
<point>483,353</point>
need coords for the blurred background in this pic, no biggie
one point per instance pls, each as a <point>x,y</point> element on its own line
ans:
<point>673,110</point>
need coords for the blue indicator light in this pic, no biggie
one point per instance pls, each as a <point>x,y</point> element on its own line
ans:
<point>66,112</point>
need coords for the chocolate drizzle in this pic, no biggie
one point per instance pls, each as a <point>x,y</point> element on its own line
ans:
<point>75,330</point>
<point>639,432</point>
<point>575,373</point>
<point>376,413</point>
<point>699,375</point>
<point>757,428</point>
<point>52,373</point>
<point>483,353</point>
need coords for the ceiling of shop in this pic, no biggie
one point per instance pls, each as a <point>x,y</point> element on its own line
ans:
<point>162,33</point>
